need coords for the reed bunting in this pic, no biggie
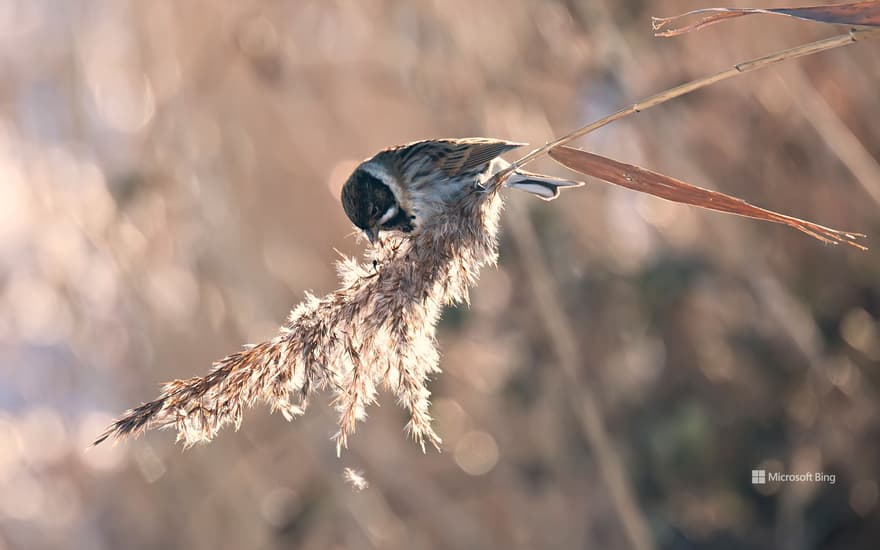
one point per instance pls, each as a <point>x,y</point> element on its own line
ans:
<point>403,187</point>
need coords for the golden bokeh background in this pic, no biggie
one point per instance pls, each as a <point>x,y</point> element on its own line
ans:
<point>169,181</point>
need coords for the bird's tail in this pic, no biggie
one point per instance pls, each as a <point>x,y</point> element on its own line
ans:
<point>543,187</point>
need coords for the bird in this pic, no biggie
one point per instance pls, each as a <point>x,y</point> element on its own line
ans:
<point>401,189</point>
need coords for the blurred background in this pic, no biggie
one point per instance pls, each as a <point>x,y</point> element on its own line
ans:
<point>169,181</point>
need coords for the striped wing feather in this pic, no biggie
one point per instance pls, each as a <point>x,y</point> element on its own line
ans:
<point>461,156</point>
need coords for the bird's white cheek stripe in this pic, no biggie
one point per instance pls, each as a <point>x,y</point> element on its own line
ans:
<point>375,169</point>
<point>390,213</point>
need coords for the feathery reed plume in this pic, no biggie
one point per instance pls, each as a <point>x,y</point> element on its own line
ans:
<point>376,330</point>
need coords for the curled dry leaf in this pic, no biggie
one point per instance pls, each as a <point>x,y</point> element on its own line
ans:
<point>659,185</point>
<point>858,13</point>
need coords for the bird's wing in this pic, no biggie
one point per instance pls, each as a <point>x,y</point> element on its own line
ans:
<point>460,156</point>
<point>453,157</point>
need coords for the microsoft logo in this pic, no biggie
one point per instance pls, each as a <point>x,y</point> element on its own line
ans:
<point>762,477</point>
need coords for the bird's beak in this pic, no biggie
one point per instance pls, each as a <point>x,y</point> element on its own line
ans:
<point>372,235</point>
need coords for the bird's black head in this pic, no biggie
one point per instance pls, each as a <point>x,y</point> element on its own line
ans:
<point>371,205</point>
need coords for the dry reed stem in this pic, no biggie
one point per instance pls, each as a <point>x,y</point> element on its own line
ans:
<point>376,330</point>
<point>677,91</point>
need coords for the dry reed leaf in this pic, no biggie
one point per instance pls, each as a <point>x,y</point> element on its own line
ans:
<point>858,13</point>
<point>671,189</point>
